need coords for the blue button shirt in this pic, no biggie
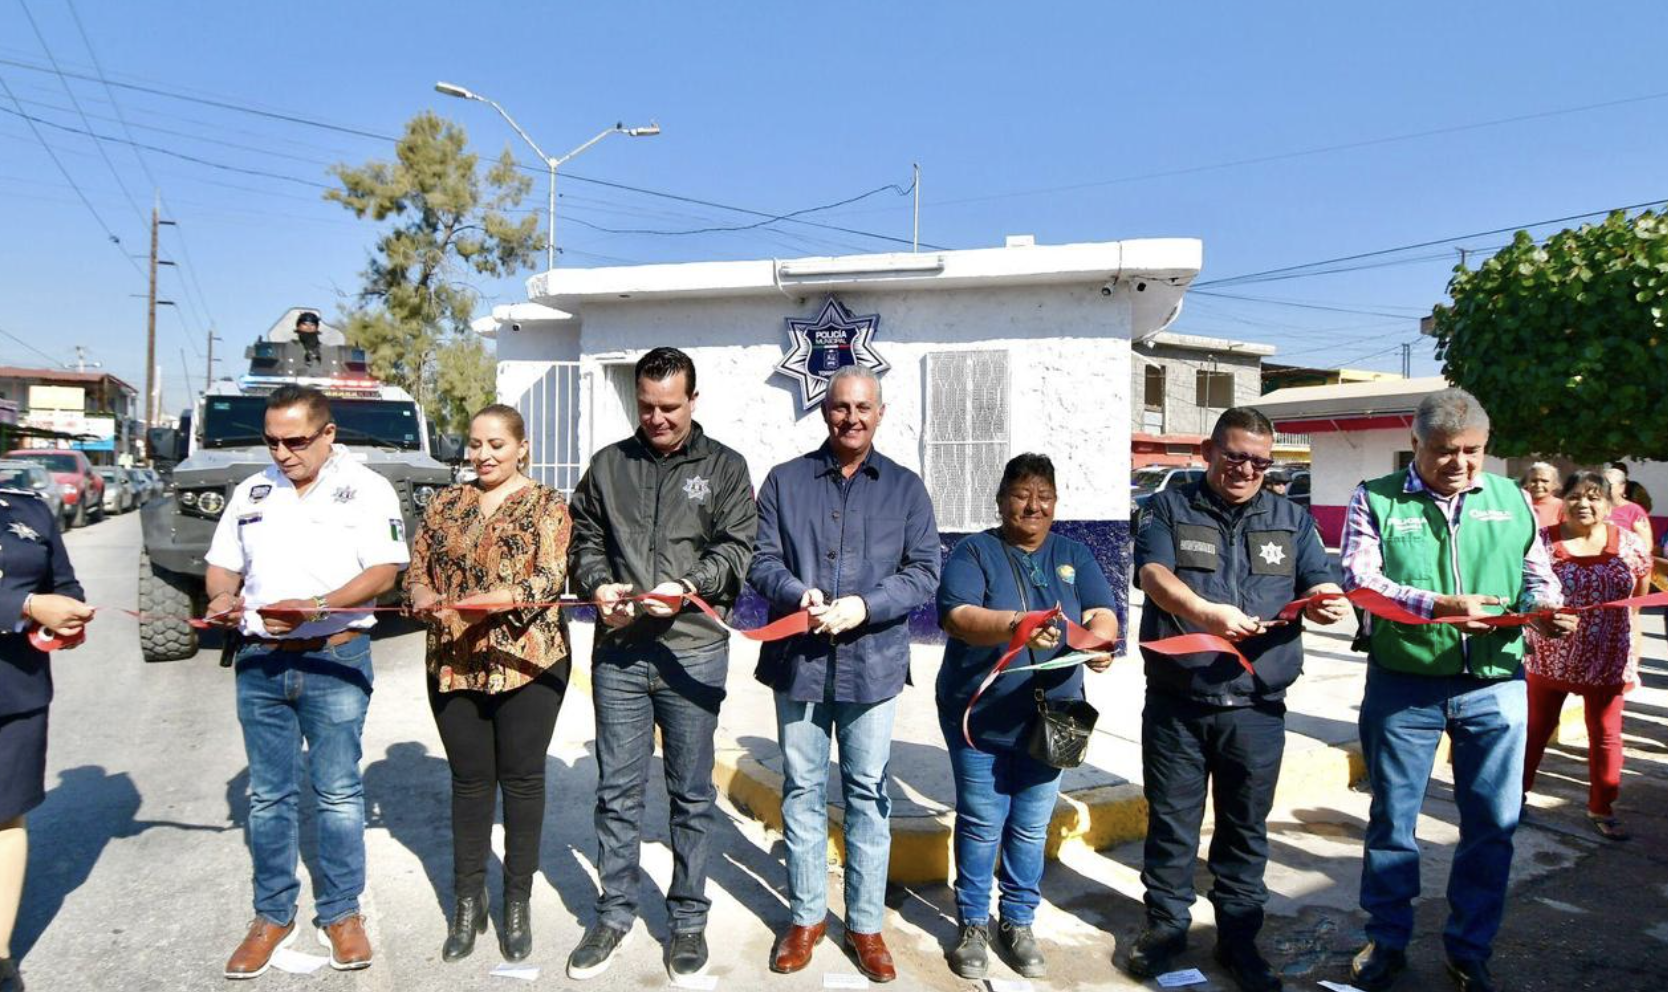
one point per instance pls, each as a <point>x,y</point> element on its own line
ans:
<point>871,535</point>
<point>981,572</point>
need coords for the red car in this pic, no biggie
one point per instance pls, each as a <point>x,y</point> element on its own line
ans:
<point>82,488</point>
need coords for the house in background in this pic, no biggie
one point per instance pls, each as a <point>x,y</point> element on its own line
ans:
<point>92,411</point>
<point>982,354</point>
<point>1179,385</point>
<point>1363,430</point>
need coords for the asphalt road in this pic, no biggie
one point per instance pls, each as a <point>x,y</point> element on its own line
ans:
<point>139,878</point>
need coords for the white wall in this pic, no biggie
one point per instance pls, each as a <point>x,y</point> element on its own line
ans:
<point>1342,460</point>
<point>1068,356</point>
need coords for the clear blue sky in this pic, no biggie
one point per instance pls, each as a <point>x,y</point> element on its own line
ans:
<point>1034,118</point>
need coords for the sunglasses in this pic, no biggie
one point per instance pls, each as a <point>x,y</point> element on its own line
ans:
<point>293,443</point>
<point>1258,465</point>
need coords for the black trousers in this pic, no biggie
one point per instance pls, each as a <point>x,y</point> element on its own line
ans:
<point>497,741</point>
<point>1236,750</point>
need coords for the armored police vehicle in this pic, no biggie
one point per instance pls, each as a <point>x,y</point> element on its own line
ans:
<point>219,443</point>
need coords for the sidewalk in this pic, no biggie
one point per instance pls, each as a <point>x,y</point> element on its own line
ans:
<point>1100,804</point>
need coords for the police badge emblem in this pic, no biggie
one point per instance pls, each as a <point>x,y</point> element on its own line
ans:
<point>826,343</point>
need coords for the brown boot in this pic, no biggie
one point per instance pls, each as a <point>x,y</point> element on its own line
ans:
<point>350,948</point>
<point>254,955</point>
<point>793,951</point>
<point>873,959</point>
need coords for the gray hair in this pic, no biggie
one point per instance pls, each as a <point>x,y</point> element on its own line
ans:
<point>853,372</point>
<point>1447,412</point>
<point>1537,467</point>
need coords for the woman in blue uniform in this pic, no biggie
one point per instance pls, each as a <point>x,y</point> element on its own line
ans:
<point>37,589</point>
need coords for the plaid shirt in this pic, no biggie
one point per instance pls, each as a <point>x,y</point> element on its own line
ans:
<point>1363,558</point>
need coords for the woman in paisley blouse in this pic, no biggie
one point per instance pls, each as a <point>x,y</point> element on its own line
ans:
<point>1596,561</point>
<point>496,673</point>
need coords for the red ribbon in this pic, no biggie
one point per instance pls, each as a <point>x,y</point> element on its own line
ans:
<point>1077,638</point>
<point>1385,608</point>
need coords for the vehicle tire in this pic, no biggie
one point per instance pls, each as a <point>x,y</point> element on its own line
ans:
<point>80,517</point>
<point>99,514</point>
<point>165,600</point>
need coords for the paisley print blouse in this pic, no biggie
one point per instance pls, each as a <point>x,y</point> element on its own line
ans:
<point>460,551</point>
<point>1598,655</point>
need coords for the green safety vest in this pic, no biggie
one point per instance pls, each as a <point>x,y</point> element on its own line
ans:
<point>1495,531</point>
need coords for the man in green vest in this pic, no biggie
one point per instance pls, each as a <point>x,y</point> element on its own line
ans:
<point>1444,539</point>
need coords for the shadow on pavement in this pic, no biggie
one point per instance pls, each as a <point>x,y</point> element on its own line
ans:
<point>82,814</point>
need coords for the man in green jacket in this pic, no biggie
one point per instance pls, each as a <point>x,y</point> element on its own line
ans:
<point>1444,539</point>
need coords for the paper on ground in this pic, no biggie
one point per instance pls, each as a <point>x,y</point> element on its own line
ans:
<point>1008,985</point>
<point>525,972</point>
<point>1177,979</point>
<point>297,963</point>
<point>699,983</point>
<point>1339,987</point>
<point>839,981</point>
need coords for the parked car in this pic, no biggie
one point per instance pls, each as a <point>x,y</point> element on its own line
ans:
<point>36,479</point>
<point>81,487</point>
<point>1145,483</point>
<point>1297,487</point>
<point>159,485</point>
<point>119,496</point>
<point>143,490</point>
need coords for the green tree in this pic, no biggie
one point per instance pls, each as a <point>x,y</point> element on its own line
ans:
<point>444,220</point>
<point>1566,342</point>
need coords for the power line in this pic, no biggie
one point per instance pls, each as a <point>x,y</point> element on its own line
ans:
<point>1301,306</point>
<point>77,105</point>
<point>67,177</point>
<point>1264,275</point>
<point>114,105</point>
<point>55,362</point>
<point>363,133</point>
<point>901,191</point>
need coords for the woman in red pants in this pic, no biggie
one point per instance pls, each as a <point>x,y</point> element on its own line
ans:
<point>1597,562</point>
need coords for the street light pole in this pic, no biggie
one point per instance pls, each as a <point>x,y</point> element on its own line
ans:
<point>553,164</point>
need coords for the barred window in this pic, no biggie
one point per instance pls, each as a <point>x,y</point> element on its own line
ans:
<point>965,436</point>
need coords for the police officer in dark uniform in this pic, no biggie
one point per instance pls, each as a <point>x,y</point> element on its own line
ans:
<point>307,332</point>
<point>1220,556</point>
<point>37,589</point>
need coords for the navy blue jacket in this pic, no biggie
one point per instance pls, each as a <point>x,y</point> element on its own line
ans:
<point>32,560</point>
<point>873,536</point>
<point>1259,559</point>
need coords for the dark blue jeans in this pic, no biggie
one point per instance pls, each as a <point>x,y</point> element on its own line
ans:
<point>283,700</point>
<point>1236,751</point>
<point>1402,718</point>
<point>636,688</point>
<point>1004,802</point>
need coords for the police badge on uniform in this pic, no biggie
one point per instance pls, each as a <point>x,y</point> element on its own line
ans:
<point>344,494</point>
<point>258,493</point>
<point>24,531</point>
<point>696,489</point>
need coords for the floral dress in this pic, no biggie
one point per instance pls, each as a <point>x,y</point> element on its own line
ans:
<point>1598,656</point>
<point>460,551</point>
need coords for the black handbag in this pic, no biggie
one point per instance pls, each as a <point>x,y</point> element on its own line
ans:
<point>1060,731</point>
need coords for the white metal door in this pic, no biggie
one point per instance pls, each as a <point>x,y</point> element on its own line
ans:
<point>547,395</point>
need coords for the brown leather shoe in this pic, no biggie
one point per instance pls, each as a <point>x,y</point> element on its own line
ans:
<point>793,951</point>
<point>350,948</point>
<point>254,955</point>
<point>873,959</point>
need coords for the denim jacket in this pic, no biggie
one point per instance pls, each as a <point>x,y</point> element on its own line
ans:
<point>872,535</point>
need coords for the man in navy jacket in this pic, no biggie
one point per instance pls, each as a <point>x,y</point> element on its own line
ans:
<point>849,534</point>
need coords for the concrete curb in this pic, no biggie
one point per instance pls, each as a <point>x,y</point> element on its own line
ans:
<point>1094,818</point>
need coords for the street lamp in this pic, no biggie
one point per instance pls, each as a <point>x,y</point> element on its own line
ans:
<point>553,164</point>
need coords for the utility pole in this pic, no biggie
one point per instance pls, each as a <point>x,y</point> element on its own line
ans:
<point>150,324</point>
<point>915,232</point>
<point>187,367</point>
<point>1407,360</point>
<point>208,373</point>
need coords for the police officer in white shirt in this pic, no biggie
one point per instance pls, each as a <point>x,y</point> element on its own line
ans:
<point>315,531</point>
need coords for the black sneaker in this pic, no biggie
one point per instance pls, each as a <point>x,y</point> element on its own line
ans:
<point>1022,949</point>
<point>596,951</point>
<point>686,955</point>
<point>1247,966</point>
<point>968,958</point>
<point>1154,951</point>
<point>1376,967</point>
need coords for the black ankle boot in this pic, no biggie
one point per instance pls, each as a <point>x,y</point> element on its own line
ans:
<point>516,939</point>
<point>469,918</point>
<point>10,980</point>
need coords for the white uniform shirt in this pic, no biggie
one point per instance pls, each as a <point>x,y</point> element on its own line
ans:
<point>290,546</point>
